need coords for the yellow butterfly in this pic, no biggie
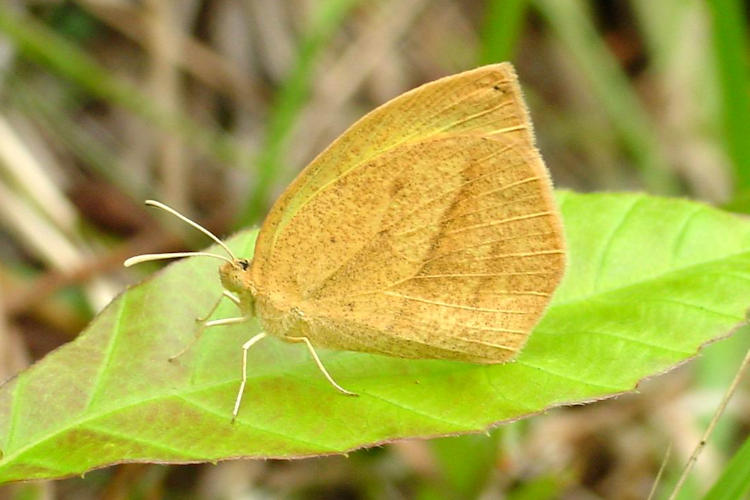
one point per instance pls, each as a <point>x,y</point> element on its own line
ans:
<point>427,230</point>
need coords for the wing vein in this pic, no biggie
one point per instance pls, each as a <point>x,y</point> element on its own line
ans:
<point>501,221</point>
<point>483,113</point>
<point>462,186</point>
<point>456,306</point>
<point>474,275</point>
<point>491,242</point>
<point>517,254</point>
<point>453,190</point>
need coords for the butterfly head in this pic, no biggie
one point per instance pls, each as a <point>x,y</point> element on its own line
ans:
<point>235,276</point>
<point>234,273</point>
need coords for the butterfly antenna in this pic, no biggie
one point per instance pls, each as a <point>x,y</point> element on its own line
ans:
<point>197,226</point>
<point>160,256</point>
<point>146,257</point>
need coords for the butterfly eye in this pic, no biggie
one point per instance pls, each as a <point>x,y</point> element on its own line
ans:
<point>244,264</point>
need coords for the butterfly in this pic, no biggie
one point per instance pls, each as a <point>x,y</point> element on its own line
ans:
<point>428,229</point>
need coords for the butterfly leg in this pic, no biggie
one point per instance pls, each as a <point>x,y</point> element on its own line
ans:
<point>320,364</point>
<point>245,347</point>
<point>208,324</point>
<point>226,321</point>
<point>224,293</point>
<point>205,324</point>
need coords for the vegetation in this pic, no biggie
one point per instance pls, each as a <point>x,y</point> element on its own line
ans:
<point>214,105</point>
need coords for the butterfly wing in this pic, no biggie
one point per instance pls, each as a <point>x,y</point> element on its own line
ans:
<point>428,229</point>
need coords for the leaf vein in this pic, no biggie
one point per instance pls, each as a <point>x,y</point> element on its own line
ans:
<point>682,231</point>
<point>129,437</point>
<point>105,363</point>
<point>254,425</point>
<point>610,241</point>
<point>636,341</point>
<point>565,376</point>
<point>656,278</point>
<point>688,305</point>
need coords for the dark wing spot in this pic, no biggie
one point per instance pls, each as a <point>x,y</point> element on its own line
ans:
<point>396,186</point>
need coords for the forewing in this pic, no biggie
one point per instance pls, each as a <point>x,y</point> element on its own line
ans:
<point>430,223</point>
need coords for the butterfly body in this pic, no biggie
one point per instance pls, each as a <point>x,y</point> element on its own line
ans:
<point>278,316</point>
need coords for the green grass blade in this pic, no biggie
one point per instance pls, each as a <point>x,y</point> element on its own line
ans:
<point>466,462</point>
<point>734,482</point>
<point>54,117</point>
<point>577,33</point>
<point>52,51</point>
<point>731,49</point>
<point>501,26</point>
<point>288,103</point>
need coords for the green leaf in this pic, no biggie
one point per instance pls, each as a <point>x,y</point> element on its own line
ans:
<point>649,281</point>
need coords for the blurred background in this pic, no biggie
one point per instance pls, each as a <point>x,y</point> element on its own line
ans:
<point>213,106</point>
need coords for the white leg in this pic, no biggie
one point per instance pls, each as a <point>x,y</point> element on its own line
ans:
<point>245,347</point>
<point>226,321</point>
<point>188,346</point>
<point>224,293</point>
<point>207,324</point>
<point>320,364</point>
<point>231,296</point>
